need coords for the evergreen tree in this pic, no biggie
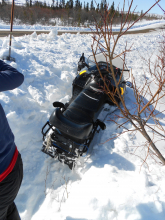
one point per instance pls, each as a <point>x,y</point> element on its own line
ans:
<point>105,4</point>
<point>52,3</point>
<point>76,4</point>
<point>112,9</point>
<point>87,7</point>
<point>45,5</point>
<point>4,2</point>
<point>27,3</point>
<point>98,7</point>
<point>63,3</point>
<point>101,5</point>
<point>30,3</point>
<point>71,3</point>
<point>92,6</point>
<point>57,4</point>
<point>60,4</point>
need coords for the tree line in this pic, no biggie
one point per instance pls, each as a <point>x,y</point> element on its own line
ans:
<point>68,13</point>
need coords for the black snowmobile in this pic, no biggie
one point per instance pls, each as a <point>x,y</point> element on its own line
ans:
<point>72,126</point>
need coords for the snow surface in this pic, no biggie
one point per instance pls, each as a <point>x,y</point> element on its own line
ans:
<point>111,185</point>
<point>142,24</point>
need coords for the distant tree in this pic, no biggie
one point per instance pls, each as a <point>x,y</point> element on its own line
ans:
<point>57,4</point>
<point>4,2</point>
<point>76,4</point>
<point>98,7</point>
<point>45,5</point>
<point>101,5</point>
<point>79,17</point>
<point>92,6</point>
<point>30,4</point>
<point>69,4</point>
<point>27,3</point>
<point>112,8</point>
<point>41,13</point>
<point>63,3</point>
<point>105,4</point>
<point>53,3</point>
<point>87,7</point>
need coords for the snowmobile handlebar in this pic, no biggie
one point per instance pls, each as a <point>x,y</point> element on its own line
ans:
<point>59,104</point>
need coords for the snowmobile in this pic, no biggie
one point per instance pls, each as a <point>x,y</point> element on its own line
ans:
<point>68,133</point>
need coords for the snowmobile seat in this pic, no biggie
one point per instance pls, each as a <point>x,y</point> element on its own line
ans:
<point>79,117</point>
<point>70,128</point>
<point>87,105</point>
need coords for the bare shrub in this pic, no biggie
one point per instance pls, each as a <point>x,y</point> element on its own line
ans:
<point>146,99</point>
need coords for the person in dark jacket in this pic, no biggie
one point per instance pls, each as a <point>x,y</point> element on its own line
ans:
<point>11,167</point>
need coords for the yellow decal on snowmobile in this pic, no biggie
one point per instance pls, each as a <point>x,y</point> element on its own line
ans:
<point>84,71</point>
<point>122,90</point>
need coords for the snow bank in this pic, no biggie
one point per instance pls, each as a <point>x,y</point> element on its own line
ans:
<point>140,25</point>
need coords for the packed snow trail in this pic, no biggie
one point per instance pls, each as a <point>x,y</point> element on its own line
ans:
<point>110,185</point>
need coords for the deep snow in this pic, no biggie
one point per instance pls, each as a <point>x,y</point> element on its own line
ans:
<point>111,185</point>
<point>142,24</point>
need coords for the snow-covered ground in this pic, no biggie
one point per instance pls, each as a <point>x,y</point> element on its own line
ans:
<point>143,24</point>
<point>111,185</point>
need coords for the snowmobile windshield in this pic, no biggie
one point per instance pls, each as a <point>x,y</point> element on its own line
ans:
<point>99,58</point>
<point>117,62</point>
